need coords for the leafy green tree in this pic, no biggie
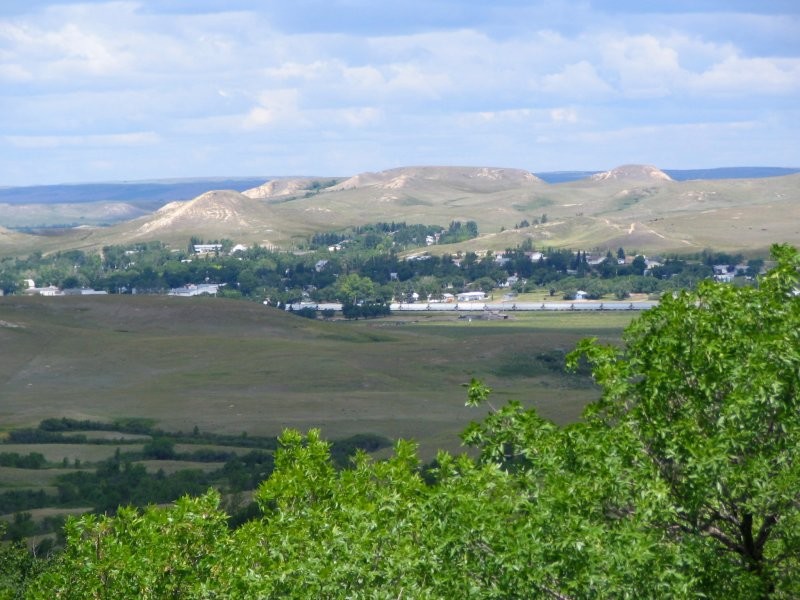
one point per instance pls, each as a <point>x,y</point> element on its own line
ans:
<point>354,287</point>
<point>160,448</point>
<point>158,553</point>
<point>705,399</point>
<point>638,265</point>
<point>18,567</point>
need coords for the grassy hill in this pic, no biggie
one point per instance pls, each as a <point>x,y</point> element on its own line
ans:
<point>232,366</point>
<point>638,207</point>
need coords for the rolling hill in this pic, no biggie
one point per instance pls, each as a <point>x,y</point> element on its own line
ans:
<point>230,366</point>
<point>639,207</point>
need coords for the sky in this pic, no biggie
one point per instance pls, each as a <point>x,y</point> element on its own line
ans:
<point>138,90</point>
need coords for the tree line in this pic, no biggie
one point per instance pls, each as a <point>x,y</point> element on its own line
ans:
<point>374,253</point>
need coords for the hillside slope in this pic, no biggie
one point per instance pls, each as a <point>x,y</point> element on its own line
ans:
<point>638,207</point>
<point>233,366</point>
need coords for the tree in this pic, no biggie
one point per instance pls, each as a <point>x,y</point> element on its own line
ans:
<point>160,448</point>
<point>638,265</point>
<point>705,399</point>
<point>157,553</point>
<point>18,567</point>
<point>354,287</point>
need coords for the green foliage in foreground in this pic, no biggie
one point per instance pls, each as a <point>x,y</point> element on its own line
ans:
<point>682,481</point>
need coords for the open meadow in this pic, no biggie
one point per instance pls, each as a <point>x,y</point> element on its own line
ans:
<point>233,367</point>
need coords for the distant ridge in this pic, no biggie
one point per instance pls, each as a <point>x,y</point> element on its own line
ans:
<point>681,174</point>
<point>490,178</point>
<point>730,173</point>
<point>284,187</point>
<point>632,173</point>
<point>154,194</point>
<point>147,194</point>
<point>636,206</point>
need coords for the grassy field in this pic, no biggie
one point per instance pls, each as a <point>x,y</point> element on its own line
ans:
<point>29,478</point>
<point>172,466</point>
<point>232,367</point>
<point>55,453</point>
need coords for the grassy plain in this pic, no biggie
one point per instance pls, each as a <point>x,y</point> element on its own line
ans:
<point>173,466</point>
<point>85,453</point>
<point>232,366</point>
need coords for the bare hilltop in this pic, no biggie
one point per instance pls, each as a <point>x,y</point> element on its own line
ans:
<point>637,206</point>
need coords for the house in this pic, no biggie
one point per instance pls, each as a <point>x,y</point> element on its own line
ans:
<point>50,290</point>
<point>238,248</point>
<point>32,290</point>
<point>723,273</point>
<point>320,265</point>
<point>510,281</point>
<point>196,290</point>
<point>652,262</point>
<point>581,295</point>
<point>206,248</point>
<point>471,296</point>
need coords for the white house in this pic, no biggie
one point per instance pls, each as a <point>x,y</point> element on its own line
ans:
<point>32,290</point>
<point>723,273</point>
<point>206,248</point>
<point>510,281</point>
<point>471,296</point>
<point>196,290</point>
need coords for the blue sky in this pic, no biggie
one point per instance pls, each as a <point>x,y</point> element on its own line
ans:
<point>105,91</point>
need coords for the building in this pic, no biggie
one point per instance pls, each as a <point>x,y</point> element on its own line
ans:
<point>206,248</point>
<point>196,290</point>
<point>471,296</point>
<point>32,290</point>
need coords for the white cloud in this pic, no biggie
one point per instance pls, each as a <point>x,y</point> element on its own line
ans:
<point>302,71</point>
<point>750,76</point>
<point>579,79</point>
<point>274,107</point>
<point>62,51</point>
<point>144,138</point>
<point>15,73</point>
<point>487,80</point>
<point>564,115</point>
<point>642,65</point>
<point>358,117</point>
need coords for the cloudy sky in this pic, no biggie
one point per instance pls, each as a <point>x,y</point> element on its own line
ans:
<point>103,91</point>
